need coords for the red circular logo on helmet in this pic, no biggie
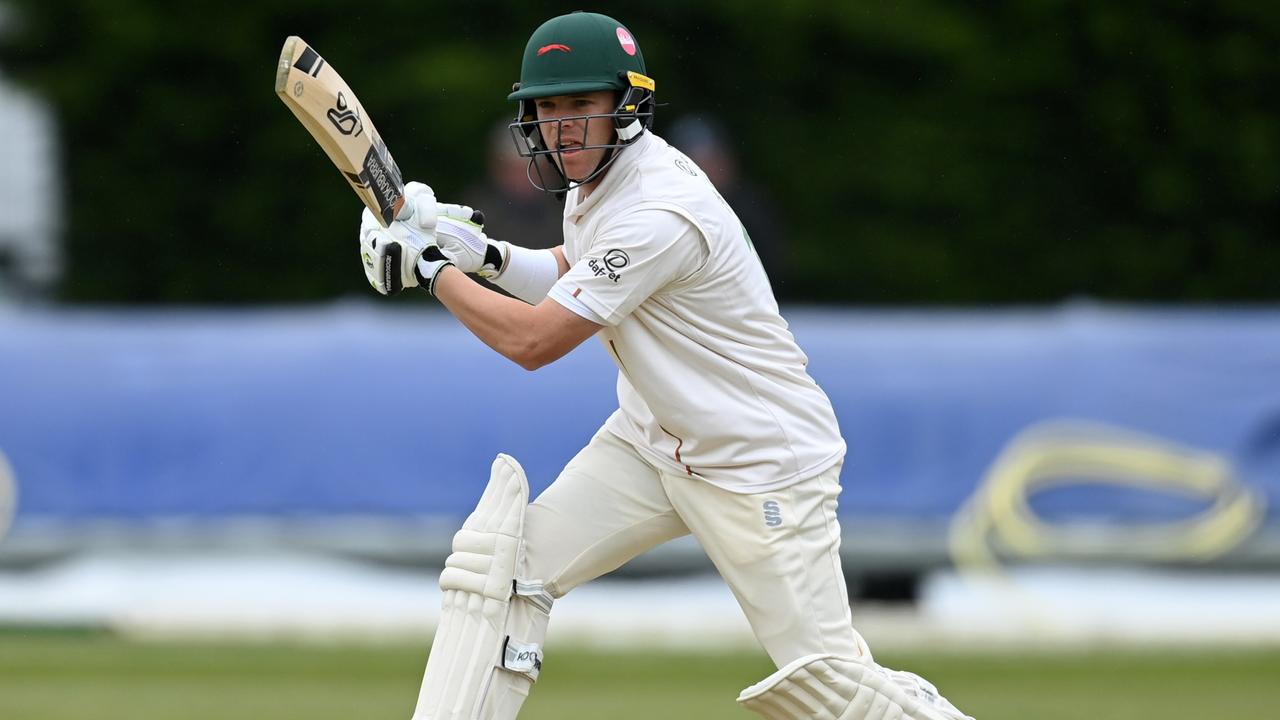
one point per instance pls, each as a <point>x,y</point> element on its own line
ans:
<point>625,39</point>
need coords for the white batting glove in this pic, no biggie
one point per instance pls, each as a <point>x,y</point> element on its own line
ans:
<point>459,231</point>
<point>400,256</point>
<point>419,205</point>
<point>460,234</point>
<point>390,256</point>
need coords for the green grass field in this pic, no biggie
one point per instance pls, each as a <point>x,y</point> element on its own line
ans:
<point>47,676</point>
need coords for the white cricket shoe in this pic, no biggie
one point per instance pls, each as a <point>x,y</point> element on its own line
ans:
<point>828,687</point>
<point>928,698</point>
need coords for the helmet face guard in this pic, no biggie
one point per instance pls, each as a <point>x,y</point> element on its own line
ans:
<point>632,116</point>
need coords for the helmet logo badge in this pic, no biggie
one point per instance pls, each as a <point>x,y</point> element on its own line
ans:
<point>554,46</point>
<point>626,41</point>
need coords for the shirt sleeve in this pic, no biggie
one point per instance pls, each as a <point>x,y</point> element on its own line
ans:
<point>633,257</point>
<point>574,305</point>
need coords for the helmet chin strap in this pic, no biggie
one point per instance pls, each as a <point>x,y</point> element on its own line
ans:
<point>630,131</point>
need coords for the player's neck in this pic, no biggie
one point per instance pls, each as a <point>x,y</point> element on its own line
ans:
<point>585,189</point>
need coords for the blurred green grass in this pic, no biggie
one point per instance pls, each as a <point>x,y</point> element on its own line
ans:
<point>51,676</point>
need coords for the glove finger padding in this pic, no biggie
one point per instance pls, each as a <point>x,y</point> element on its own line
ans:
<point>390,256</point>
<point>464,213</point>
<point>461,239</point>
<point>420,199</point>
<point>460,234</point>
<point>374,244</point>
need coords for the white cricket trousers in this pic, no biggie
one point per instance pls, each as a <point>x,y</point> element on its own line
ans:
<point>778,551</point>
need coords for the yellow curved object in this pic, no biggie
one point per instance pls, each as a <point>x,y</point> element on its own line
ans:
<point>998,521</point>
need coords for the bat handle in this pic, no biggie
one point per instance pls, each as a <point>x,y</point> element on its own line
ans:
<point>405,210</point>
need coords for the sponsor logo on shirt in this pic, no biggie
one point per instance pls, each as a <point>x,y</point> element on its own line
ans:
<point>610,265</point>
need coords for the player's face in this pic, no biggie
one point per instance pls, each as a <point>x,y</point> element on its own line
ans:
<point>575,132</point>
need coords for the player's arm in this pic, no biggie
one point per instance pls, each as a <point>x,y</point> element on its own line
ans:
<point>529,335</point>
<point>532,333</point>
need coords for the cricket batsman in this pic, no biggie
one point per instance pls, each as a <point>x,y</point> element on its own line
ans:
<point>720,431</point>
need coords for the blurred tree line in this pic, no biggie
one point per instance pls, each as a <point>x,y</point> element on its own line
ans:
<point>923,151</point>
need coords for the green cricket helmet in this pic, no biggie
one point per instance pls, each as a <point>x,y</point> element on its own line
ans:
<point>578,53</point>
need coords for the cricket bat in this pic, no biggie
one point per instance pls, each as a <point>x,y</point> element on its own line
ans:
<point>325,105</point>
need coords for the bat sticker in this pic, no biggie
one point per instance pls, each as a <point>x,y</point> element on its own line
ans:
<point>344,118</point>
<point>310,62</point>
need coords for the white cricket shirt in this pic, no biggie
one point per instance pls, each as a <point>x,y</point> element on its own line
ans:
<point>711,382</point>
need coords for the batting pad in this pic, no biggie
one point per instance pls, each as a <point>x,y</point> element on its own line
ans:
<point>827,687</point>
<point>487,649</point>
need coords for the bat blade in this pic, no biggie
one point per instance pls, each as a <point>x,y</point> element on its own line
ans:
<point>330,111</point>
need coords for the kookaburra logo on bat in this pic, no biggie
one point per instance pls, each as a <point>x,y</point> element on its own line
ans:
<point>344,118</point>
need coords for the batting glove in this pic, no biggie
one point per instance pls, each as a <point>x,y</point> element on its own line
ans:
<point>400,256</point>
<point>459,230</point>
<point>460,234</point>
<point>420,207</point>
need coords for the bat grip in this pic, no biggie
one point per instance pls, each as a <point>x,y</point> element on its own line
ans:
<point>405,210</point>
